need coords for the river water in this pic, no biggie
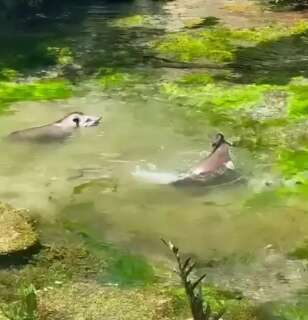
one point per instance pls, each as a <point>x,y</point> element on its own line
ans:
<point>110,180</point>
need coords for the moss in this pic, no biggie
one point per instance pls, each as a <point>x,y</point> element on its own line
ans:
<point>293,162</point>
<point>40,90</point>
<point>298,97</point>
<point>222,96</point>
<point>263,199</point>
<point>132,21</point>
<point>275,105</point>
<point>16,233</point>
<point>219,44</point>
<point>269,33</point>
<point>114,80</point>
<point>53,266</point>
<point>196,79</point>
<point>189,47</point>
<point>25,308</point>
<point>294,311</point>
<point>301,252</point>
<point>62,56</point>
<point>8,74</point>
<point>97,185</point>
<point>111,79</point>
<point>121,267</point>
<point>128,269</point>
<point>92,301</point>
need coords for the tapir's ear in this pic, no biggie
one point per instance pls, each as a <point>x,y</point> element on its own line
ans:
<point>76,120</point>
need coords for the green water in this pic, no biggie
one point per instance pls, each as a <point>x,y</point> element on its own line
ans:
<point>244,231</point>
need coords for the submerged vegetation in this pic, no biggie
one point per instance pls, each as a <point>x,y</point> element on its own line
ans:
<point>26,308</point>
<point>132,22</point>
<point>219,43</point>
<point>37,90</point>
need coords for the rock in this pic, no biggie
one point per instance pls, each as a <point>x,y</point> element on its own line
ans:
<point>16,233</point>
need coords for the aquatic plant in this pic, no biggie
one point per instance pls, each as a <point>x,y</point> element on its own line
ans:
<point>121,267</point>
<point>297,311</point>
<point>196,79</point>
<point>298,98</point>
<point>111,79</point>
<point>38,90</point>
<point>114,80</point>
<point>60,55</point>
<point>188,47</point>
<point>219,43</point>
<point>26,308</point>
<point>128,269</point>
<point>300,252</point>
<point>222,96</point>
<point>132,21</point>
<point>8,74</point>
<point>293,162</point>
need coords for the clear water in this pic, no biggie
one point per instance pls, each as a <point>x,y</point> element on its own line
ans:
<point>111,179</point>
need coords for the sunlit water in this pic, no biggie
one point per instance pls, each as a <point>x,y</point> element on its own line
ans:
<point>140,146</point>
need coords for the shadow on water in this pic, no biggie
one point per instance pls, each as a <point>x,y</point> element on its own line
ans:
<point>273,62</point>
<point>84,28</point>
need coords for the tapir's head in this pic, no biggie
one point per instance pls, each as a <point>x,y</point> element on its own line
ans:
<point>78,120</point>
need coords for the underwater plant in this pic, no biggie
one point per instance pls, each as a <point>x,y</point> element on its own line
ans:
<point>25,308</point>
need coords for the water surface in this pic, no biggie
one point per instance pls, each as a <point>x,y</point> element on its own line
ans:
<point>89,179</point>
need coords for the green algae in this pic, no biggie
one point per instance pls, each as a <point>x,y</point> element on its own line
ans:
<point>60,55</point>
<point>127,269</point>
<point>222,96</point>
<point>219,43</point>
<point>263,199</point>
<point>196,79</point>
<point>293,165</point>
<point>271,106</point>
<point>132,21</point>
<point>8,74</point>
<point>295,311</point>
<point>189,47</point>
<point>121,267</point>
<point>122,82</point>
<point>300,252</point>
<point>25,308</point>
<point>112,79</point>
<point>293,162</point>
<point>298,97</point>
<point>33,91</point>
<point>97,185</point>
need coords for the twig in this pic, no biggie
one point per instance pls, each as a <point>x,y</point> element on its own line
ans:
<point>193,289</point>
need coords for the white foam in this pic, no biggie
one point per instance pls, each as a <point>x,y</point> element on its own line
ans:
<point>155,176</point>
